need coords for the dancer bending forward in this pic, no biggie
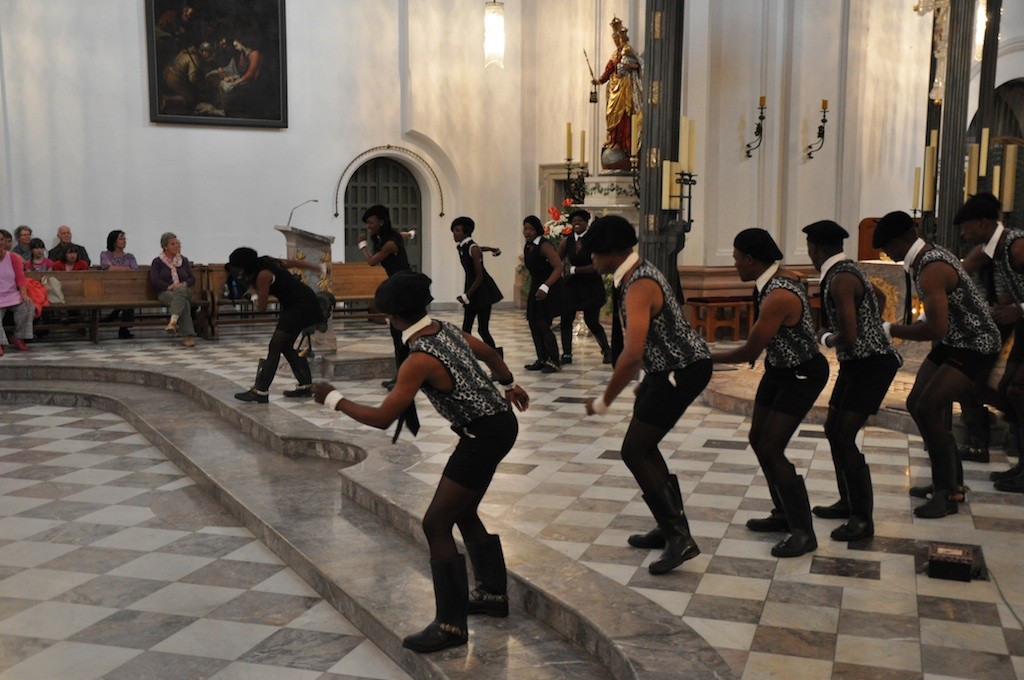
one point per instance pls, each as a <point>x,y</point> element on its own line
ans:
<point>443,363</point>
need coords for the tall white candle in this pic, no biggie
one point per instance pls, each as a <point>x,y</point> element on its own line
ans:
<point>666,185</point>
<point>972,169</point>
<point>929,179</point>
<point>916,203</point>
<point>983,164</point>
<point>684,141</point>
<point>1010,177</point>
<point>995,180</point>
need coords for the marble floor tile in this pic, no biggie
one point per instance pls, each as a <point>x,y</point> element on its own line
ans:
<point>187,599</point>
<point>53,620</point>
<point>217,639</point>
<point>71,660</point>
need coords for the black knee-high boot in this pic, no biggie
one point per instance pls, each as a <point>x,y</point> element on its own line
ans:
<point>451,596</point>
<point>841,508</point>
<point>862,501</point>
<point>654,539</point>
<point>776,519</point>
<point>490,597</point>
<point>679,544</point>
<point>1013,447</point>
<point>797,507</point>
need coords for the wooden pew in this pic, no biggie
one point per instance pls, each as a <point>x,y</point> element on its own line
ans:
<point>353,285</point>
<point>90,291</point>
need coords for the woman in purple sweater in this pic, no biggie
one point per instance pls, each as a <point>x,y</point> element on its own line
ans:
<point>172,278</point>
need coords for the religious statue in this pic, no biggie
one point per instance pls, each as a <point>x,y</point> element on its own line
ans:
<point>623,114</point>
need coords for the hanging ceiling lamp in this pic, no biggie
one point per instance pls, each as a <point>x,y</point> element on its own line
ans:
<point>494,34</point>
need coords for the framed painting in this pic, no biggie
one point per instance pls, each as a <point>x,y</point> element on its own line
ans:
<point>217,62</point>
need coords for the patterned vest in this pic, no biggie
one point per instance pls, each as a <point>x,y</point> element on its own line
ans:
<point>671,341</point>
<point>871,339</point>
<point>1006,278</point>
<point>792,345</point>
<point>473,394</point>
<point>970,324</point>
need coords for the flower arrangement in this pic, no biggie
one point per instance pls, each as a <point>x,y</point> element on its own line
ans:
<point>558,226</point>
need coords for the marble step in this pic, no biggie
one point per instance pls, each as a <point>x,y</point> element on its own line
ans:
<point>376,577</point>
<point>629,635</point>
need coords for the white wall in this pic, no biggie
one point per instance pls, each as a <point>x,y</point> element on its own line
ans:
<point>78,147</point>
<point>868,59</point>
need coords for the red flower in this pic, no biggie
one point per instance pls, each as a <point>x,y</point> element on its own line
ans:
<point>567,202</point>
<point>554,213</point>
<point>566,230</point>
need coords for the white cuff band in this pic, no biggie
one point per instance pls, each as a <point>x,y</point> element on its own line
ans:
<point>508,388</point>
<point>572,270</point>
<point>464,299</point>
<point>887,329</point>
<point>332,399</point>
<point>823,340</point>
<point>362,244</point>
<point>599,406</point>
<point>323,268</point>
<point>544,288</point>
<point>255,298</point>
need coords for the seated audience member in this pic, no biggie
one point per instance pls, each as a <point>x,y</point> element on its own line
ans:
<point>114,258</point>
<point>172,278</point>
<point>37,260</point>
<point>70,261</point>
<point>22,242</point>
<point>14,296</point>
<point>64,242</point>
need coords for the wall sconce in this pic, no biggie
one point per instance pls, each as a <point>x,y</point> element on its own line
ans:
<point>758,129</point>
<point>494,34</point>
<point>816,146</point>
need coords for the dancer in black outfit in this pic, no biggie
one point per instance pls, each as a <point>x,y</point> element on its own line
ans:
<point>479,292</point>
<point>867,364</point>
<point>677,367</point>
<point>388,252</point>
<point>443,362</point>
<point>584,287</point>
<point>544,301</point>
<point>795,373</point>
<point>299,310</point>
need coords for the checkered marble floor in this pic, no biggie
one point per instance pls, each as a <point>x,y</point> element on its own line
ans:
<point>114,565</point>
<point>863,611</point>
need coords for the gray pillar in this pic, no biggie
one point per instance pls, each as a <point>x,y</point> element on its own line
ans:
<point>660,236</point>
<point>987,80</point>
<point>952,145</point>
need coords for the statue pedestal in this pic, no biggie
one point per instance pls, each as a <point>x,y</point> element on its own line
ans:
<point>611,195</point>
<point>315,248</point>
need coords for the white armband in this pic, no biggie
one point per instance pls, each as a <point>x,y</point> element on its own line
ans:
<point>599,406</point>
<point>544,288</point>
<point>572,270</point>
<point>823,340</point>
<point>887,329</point>
<point>362,244</point>
<point>332,399</point>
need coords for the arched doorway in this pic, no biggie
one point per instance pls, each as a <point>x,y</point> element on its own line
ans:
<point>387,182</point>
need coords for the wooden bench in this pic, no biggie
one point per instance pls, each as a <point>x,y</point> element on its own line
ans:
<point>90,291</point>
<point>708,314</point>
<point>353,285</point>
